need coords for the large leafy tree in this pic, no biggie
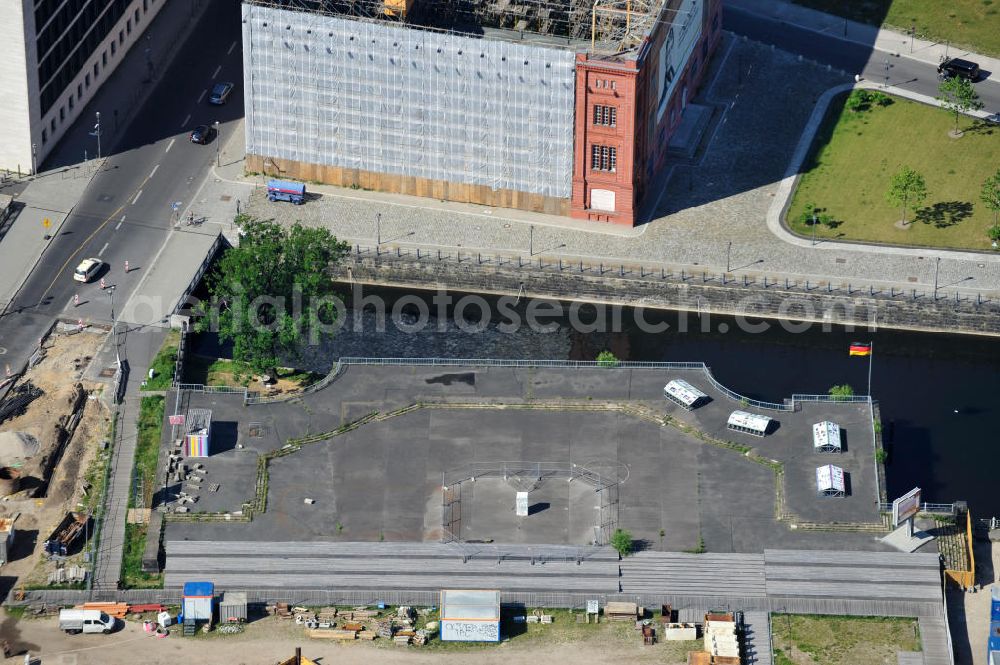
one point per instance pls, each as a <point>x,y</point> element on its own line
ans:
<point>990,196</point>
<point>957,96</point>
<point>273,292</point>
<point>907,187</point>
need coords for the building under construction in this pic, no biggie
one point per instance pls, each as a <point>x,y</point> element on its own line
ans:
<point>557,106</point>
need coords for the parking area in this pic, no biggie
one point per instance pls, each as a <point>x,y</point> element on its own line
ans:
<point>383,480</point>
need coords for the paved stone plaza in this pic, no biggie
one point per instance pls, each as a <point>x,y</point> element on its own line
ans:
<point>721,196</point>
<point>383,480</point>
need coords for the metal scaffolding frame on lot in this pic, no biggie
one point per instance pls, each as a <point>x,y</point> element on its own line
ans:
<point>609,26</point>
<point>522,474</point>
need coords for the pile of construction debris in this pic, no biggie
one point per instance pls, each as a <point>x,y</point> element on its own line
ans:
<point>17,401</point>
<point>359,623</point>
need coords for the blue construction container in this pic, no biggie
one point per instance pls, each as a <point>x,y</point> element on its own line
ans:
<point>198,601</point>
<point>995,603</point>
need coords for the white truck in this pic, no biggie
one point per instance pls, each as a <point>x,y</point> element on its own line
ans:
<point>75,622</point>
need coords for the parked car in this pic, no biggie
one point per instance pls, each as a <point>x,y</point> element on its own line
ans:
<point>283,190</point>
<point>75,622</point>
<point>87,270</point>
<point>220,93</point>
<point>957,67</point>
<point>201,134</point>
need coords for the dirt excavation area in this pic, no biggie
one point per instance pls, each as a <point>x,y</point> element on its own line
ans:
<point>51,452</point>
<point>271,640</point>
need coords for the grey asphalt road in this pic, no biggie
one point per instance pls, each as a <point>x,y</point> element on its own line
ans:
<point>125,213</point>
<point>847,55</point>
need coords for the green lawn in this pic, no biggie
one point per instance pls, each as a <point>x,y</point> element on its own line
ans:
<point>856,154</point>
<point>135,545</point>
<point>147,447</point>
<point>164,363</point>
<point>971,23</point>
<point>222,372</point>
<point>837,640</point>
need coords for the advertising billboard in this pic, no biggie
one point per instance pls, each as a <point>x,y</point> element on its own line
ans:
<point>906,506</point>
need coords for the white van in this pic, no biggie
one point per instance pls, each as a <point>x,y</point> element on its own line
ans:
<point>75,622</point>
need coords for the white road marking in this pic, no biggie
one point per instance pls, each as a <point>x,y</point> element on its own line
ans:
<point>202,95</point>
<point>217,70</point>
<point>137,197</point>
<point>170,145</point>
<point>153,172</point>
<point>231,47</point>
<point>120,222</point>
<point>187,119</point>
<point>101,253</point>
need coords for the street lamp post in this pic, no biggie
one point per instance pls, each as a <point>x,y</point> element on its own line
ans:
<point>114,333</point>
<point>218,144</point>
<point>814,230</point>
<point>531,240</point>
<point>34,159</point>
<point>378,229</point>
<point>729,252</point>
<point>97,133</point>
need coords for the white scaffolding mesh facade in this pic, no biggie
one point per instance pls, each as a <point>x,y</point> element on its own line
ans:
<point>386,98</point>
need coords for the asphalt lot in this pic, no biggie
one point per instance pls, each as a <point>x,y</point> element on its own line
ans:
<point>383,480</point>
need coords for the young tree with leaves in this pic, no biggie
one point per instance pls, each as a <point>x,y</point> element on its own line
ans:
<point>906,187</point>
<point>957,96</point>
<point>273,292</point>
<point>621,540</point>
<point>990,196</point>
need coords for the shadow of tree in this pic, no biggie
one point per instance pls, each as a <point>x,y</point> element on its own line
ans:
<point>982,126</point>
<point>944,213</point>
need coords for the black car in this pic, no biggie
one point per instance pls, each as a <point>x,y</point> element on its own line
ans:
<point>201,134</point>
<point>957,67</point>
<point>220,93</point>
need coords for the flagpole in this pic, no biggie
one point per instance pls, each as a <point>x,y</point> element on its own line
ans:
<point>871,353</point>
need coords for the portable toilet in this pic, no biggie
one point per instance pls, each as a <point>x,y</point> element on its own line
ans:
<point>197,603</point>
<point>995,603</point>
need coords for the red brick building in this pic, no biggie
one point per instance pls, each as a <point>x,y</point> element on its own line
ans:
<point>559,108</point>
<point>627,110</point>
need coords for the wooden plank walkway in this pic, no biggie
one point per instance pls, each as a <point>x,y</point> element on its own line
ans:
<point>680,574</point>
<point>758,636</point>
<point>935,642</point>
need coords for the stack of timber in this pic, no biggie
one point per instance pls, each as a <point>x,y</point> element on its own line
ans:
<point>116,610</point>
<point>618,611</point>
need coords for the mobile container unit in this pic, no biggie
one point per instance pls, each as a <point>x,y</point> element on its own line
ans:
<point>233,607</point>
<point>830,481</point>
<point>283,190</point>
<point>6,537</point>
<point>470,616</point>
<point>826,437</point>
<point>683,394</point>
<point>995,603</point>
<point>993,646</point>
<point>197,603</point>
<point>197,438</point>
<point>749,423</point>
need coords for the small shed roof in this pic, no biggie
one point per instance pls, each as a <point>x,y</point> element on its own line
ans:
<point>826,435</point>
<point>199,589</point>
<point>464,604</point>
<point>198,420</point>
<point>753,421</point>
<point>830,478</point>
<point>683,392</point>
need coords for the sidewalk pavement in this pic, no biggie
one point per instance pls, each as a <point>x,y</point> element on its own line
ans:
<point>879,38</point>
<point>50,196</point>
<point>721,225</point>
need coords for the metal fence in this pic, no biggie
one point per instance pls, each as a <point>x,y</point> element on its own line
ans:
<point>930,508</point>
<point>735,277</point>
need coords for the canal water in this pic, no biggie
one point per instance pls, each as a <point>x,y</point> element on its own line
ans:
<point>939,394</point>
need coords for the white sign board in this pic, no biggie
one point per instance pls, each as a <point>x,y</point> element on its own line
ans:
<point>522,504</point>
<point>593,607</point>
<point>602,199</point>
<point>470,631</point>
<point>906,506</point>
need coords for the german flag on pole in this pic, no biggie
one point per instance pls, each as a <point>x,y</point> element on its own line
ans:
<point>861,349</point>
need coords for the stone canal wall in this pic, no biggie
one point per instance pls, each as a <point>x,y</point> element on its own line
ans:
<point>753,296</point>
